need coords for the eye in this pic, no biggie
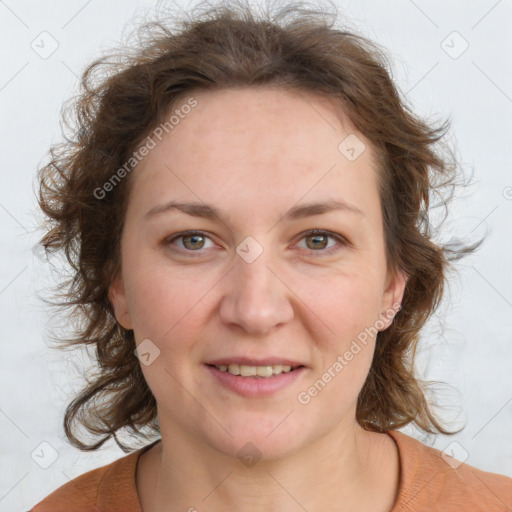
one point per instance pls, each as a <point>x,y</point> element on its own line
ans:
<point>191,241</point>
<point>317,241</point>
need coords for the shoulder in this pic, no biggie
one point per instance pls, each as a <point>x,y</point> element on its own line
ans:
<point>111,487</point>
<point>432,480</point>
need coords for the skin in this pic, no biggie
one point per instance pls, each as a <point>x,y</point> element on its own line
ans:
<point>254,153</point>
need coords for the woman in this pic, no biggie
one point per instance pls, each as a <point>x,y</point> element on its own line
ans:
<point>245,208</point>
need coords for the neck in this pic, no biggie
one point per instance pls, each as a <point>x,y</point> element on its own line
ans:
<point>347,469</point>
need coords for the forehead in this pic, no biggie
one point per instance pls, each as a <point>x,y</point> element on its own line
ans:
<point>256,146</point>
<point>263,124</point>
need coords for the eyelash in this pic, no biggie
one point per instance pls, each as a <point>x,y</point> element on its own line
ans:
<point>341,240</point>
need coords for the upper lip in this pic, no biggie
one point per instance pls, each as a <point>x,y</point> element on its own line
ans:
<point>252,361</point>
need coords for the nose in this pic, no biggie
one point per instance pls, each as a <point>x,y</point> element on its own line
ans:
<point>257,298</point>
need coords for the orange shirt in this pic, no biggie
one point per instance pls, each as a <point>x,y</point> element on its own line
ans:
<point>427,483</point>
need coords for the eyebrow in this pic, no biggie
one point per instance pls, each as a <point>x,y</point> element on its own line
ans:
<point>206,211</point>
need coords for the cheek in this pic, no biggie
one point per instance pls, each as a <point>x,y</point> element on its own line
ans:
<point>349,306</point>
<point>167,309</point>
<point>344,357</point>
<point>346,303</point>
<point>162,303</point>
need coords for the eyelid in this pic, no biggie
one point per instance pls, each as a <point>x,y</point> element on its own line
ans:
<point>339,238</point>
<point>336,236</point>
<point>168,241</point>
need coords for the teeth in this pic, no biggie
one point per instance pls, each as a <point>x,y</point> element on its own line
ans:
<point>254,371</point>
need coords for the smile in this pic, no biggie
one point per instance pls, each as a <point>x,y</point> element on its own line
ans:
<point>255,371</point>
<point>251,383</point>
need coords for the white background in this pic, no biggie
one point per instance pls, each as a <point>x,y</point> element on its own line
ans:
<point>468,346</point>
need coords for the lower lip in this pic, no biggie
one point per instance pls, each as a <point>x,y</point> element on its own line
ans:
<point>256,386</point>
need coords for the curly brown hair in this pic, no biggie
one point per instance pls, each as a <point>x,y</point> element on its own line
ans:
<point>126,93</point>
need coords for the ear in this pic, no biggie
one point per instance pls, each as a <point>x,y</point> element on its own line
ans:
<point>117,297</point>
<point>392,297</point>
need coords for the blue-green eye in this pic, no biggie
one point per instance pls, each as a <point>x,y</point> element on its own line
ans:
<point>319,241</point>
<point>195,241</point>
<point>192,241</point>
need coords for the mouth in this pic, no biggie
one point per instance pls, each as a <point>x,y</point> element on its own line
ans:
<point>256,381</point>
<point>262,372</point>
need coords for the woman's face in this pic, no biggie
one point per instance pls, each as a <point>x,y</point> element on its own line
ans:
<point>255,283</point>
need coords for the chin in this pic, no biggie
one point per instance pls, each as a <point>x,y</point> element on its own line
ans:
<point>263,440</point>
